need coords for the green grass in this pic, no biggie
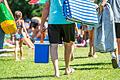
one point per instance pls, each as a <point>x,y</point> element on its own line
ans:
<point>85,68</point>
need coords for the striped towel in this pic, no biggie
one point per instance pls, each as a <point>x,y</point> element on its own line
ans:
<point>80,11</point>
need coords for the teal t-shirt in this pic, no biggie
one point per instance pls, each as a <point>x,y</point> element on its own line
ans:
<point>56,14</point>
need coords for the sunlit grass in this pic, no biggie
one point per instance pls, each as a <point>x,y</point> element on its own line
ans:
<point>85,68</point>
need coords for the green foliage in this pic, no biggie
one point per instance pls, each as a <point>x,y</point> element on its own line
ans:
<point>27,10</point>
<point>97,1</point>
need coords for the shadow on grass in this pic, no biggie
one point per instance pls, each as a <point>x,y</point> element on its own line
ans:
<point>89,68</point>
<point>80,57</point>
<point>7,59</point>
<point>92,68</point>
<point>62,59</point>
<point>91,64</point>
<point>26,77</point>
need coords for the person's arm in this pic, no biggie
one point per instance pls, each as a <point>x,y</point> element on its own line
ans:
<point>6,4</point>
<point>24,28</point>
<point>45,14</point>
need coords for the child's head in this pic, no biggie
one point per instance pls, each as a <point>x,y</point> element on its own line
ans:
<point>18,14</point>
<point>35,22</point>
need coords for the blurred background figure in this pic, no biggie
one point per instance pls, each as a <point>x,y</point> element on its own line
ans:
<point>34,28</point>
<point>116,10</point>
<point>20,35</point>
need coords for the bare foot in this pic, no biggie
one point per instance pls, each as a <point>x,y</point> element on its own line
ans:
<point>57,75</point>
<point>94,56</point>
<point>22,58</point>
<point>17,59</point>
<point>90,54</point>
<point>69,71</point>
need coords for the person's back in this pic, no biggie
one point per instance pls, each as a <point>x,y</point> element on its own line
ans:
<point>56,14</point>
<point>19,24</point>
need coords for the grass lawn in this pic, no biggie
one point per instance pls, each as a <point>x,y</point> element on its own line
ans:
<point>85,68</point>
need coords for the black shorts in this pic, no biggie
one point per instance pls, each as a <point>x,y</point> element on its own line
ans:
<point>117,29</point>
<point>61,32</point>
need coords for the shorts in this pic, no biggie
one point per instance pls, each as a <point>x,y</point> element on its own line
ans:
<point>2,35</point>
<point>19,36</point>
<point>117,29</point>
<point>61,32</point>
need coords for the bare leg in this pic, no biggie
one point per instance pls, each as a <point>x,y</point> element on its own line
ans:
<point>72,55</point>
<point>16,50</point>
<point>91,43</point>
<point>118,42</point>
<point>93,48</point>
<point>54,56</point>
<point>116,56</point>
<point>67,57</point>
<point>21,50</point>
<point>29,42</point>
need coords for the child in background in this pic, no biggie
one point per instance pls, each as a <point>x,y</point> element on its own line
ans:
<point>34,29</point>
<point>19,35</point>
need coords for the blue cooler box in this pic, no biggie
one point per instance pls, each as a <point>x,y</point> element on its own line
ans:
<point>41,52</point>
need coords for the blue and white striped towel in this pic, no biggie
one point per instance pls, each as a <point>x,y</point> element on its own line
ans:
<point>80,11</point>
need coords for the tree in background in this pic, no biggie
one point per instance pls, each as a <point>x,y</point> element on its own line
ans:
<point>97,1</point>
<point>27,10</point>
